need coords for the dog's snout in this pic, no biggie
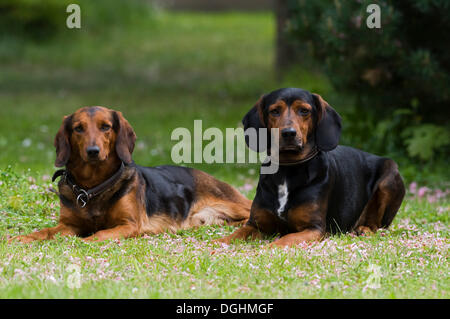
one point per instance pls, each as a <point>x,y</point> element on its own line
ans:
<point>93,151</point>
<point>289,132</point>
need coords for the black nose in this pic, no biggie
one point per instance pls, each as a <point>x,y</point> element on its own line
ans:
<point>93,151</point>
<point>288,132</point>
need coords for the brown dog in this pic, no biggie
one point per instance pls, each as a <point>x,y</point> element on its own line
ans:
<point>104,195</point>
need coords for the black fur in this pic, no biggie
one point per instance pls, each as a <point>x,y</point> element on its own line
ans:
<point>345,177</point>
<point>169,189</point>
<point>341,179</point>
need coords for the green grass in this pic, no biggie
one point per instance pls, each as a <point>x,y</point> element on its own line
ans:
<point>412,257</point>
<point>164,73</point>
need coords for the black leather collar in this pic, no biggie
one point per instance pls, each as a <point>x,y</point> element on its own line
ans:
<point>310,156</point>
<point>83,196</point>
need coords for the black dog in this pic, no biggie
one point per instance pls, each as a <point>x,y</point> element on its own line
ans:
<point>320,187</point>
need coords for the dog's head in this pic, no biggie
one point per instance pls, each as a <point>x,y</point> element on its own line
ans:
<point>92,135</point>
<point>305,122</point>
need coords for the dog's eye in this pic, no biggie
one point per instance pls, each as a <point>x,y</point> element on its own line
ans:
<point>105,127</point>
<point>79,129</point>
<point>304,111</point>
<point>275,112</point>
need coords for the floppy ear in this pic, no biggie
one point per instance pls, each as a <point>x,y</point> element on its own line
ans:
<point>125,138</point>
<point>328,130</point>
<point>62,142</point>
<point>255,119</point>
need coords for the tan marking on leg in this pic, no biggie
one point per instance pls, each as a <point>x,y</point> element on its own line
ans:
<point>118,232</point>
<point>363,230</point>
<point>297,238</point>
<point>46,233</point>
<point>307,215</point>
<point>384,203</point>
<point>224,198</point>
<point>243,233</point>
<point>160,223</point>
<point>213,211</point>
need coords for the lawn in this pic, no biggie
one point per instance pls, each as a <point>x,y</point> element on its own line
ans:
<point>162,74</point>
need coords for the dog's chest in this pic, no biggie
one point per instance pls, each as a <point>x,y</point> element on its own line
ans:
<point>94,215</point>
<point>283,195</point>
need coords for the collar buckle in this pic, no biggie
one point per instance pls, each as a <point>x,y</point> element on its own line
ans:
<point>83,197</point>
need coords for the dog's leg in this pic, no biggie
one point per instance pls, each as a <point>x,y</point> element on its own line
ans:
<point>234,213</point>
<point>125,219</point>
<point>242,233</point>
<point>384,203</point>
<point>46,233</point>
<point>118,232</point>
<point>261,222</point>
<point>222,202</point>
<point>296,238</point>
<point>217,213</point>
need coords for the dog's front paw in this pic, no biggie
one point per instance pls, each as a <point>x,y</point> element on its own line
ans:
<point>282,243</point>
<point>224,240</point>
<point>91,239</point>
<point>276,244</point>
<point>363,231</point>
<point>24,239</point>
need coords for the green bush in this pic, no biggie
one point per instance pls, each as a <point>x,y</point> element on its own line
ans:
<point>399,73</point>
<point>36,19</point>
<point>43,19</point>
<point>425,139</point>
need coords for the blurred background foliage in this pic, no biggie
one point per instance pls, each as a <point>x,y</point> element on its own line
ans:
<point>41,20</point>
<point>165,68</point>
<point>32,19</point>
<point>399,75</point>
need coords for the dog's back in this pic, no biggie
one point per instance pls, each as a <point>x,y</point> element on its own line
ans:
<point>191,197</point>
<point>168,189</point>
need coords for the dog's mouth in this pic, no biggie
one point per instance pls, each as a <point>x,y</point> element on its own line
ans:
<point>290,153</point>
<point>291,150</point>
<point>96,160</point>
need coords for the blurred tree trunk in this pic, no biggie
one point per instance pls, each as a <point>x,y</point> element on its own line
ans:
<point>285,51</point>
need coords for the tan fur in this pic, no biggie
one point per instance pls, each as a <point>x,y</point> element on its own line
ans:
<point>289,117</point>
<point>294,239</point>
<point>307,214</point>
<point>243,233</point>
<point>384,203</point>
<point>218,203</point>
